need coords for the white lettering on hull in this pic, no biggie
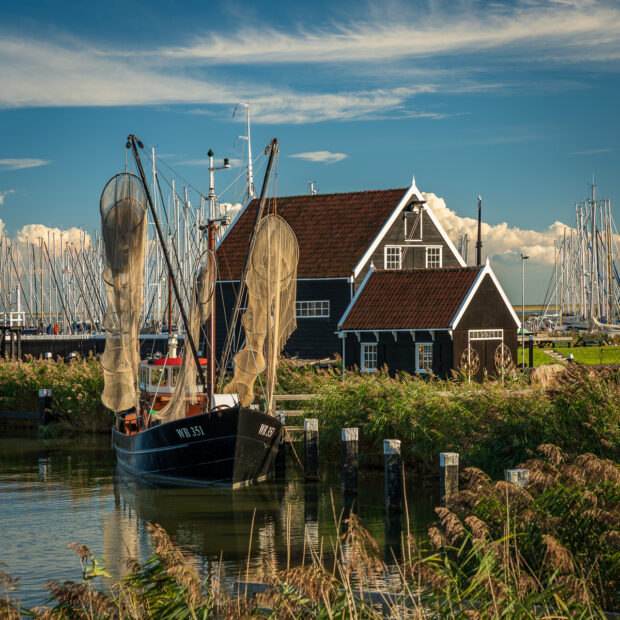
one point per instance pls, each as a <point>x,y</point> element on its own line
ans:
<point>266,431</point>
<point>187,432</point>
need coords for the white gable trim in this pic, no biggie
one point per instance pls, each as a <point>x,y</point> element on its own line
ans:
<point>357,294</point>
<point>472,291</point>
<point>412,191</point>
<point>449,243</point>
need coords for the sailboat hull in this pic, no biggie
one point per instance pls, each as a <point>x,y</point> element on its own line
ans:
<point>232,447</point>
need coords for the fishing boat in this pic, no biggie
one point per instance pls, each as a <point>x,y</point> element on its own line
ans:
<point>171,425</point>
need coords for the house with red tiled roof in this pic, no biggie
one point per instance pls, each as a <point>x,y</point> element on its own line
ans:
<point>430,320</point>
<point>340,236</point>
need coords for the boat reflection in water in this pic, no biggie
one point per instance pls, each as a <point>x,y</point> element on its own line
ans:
<point>280,523</point>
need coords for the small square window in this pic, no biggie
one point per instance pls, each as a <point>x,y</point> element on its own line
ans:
<point>369,357</point>
<point>393,257</point>
<point>433,257</point>
<point>424,357</point>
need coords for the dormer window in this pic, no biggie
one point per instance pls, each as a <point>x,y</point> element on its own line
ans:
<point>393,257</point>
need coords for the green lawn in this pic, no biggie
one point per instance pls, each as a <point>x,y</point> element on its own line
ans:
<point>583,355</point>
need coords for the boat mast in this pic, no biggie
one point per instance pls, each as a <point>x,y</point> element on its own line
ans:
<point>250,191</point>
<point>133,143</point>
<point>272,149</point>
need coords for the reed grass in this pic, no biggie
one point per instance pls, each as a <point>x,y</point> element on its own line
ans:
<point>492,425</point>
<point>497,551</point>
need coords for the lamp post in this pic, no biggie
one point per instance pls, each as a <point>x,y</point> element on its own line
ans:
<point>523,259</point>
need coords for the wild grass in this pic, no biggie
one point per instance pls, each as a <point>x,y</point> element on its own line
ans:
<point>491,425</point>
<point>76,391</point>
<point>548,551</point>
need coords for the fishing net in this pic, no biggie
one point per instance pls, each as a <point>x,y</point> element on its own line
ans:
<point>123,226</point>
<point>185,393</point>
<point>270,316</point>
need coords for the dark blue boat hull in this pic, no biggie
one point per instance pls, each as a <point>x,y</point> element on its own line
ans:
<point>233,446</point>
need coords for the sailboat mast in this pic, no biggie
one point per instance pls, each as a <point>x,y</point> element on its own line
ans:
<point>133,143</point>
<point>272,148</point>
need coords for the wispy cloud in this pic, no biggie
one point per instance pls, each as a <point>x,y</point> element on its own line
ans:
<point>536,27</point>
<point>591,152</point>
<point>4,194</point>
<point>22,163</point>
<point>74,72</point>
<point>325,157</point>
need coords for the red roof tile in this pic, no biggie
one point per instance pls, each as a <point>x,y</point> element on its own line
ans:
<point>411,299</point>
<point>333,231</point>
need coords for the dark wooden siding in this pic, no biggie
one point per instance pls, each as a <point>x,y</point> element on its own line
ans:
<point>414,252</point>
<point>314,337</point>
<point>399,354</point>
<point>487,310</point>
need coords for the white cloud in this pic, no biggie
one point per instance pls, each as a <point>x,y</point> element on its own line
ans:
<point>22,163</point>
<point>566,31</point>
<point>31,233</point>
<point>4,194</point>
<point>591,152</point>
<point>501,242</point>
<point>75,72</point>
<point>326,157</point>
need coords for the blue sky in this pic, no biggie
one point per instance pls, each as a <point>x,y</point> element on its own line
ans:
<point>516,101</point>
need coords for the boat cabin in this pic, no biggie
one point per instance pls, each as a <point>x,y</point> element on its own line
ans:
<point>158,380</point>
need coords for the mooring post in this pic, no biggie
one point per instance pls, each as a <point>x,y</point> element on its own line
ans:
<point>393,473</point>
<point>448,475</point>
<point>45,404</point>
<point>280,464</point>
<point>530,346</point>
<point>311,437</point>
<point>519,477</point>
<point>350,459</point>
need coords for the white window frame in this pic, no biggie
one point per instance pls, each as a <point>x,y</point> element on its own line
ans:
<point>486,334</point>
<point>400,256</point>
<point>312,309</point>
<point>433,247</point>
<point>423,369</point>
<point>367,348</point>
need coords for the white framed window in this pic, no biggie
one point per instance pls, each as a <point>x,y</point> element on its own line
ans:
<point>393,257</point>
<point>433,257</point>
<point>424,357</point>
<point>486,334</point>
<point>312,309</point>
<point>368,356</point>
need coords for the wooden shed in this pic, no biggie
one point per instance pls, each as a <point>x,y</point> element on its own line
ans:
<point>430,320</point>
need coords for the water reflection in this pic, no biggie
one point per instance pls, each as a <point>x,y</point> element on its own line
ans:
<point>56,492</point>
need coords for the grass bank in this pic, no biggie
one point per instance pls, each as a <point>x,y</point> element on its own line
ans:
<point>76,392</point>
<point>550,550</point>
<point>492,426</point>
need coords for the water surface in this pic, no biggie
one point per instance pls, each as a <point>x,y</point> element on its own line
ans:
<point>55,492</point>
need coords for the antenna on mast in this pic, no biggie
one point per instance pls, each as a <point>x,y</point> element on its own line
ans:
<point>250,192</point>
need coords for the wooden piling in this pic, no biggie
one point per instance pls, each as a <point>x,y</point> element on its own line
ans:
<point>393,474</point>
<point>350,459</point>
<point>519,477</point>
<point>45,404</point>
<point>311,438</point>
<point>530,346</point>
<point>448,475</point>
<point>280,463</point>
